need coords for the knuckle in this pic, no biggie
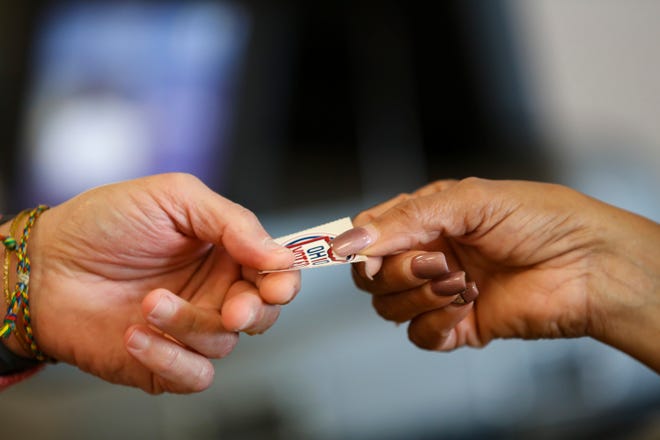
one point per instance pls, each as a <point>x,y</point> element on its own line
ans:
<point>363,218</point>
<point>424,338</point>
<point>191,322</point>
<point>170,359</point>
<point>181,179</point>
<point>435,187</point>
<point>241,219</point>
<point>402,197</point>
<point>474,187</point>
<point>383,308</point>
<point>408,212</point>
<point>244,212</point>
<point>372,213</point>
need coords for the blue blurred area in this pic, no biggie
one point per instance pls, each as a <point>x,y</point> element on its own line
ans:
<point>129,89</point>
<point>310,111</point>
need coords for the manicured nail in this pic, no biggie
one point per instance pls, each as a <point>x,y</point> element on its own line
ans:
<point>429,265</point>
<point>449,284</point>
<point>351,242</point>
<point>471,292</point>
<point>138,340</point>
<point>372,266</point>
<point>163,310</point>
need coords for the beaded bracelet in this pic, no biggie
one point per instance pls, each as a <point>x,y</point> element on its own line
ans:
<point>19,299</point>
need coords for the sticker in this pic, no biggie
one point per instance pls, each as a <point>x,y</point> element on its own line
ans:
<point>311,247</point>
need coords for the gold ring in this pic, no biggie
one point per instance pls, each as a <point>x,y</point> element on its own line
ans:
<point>460,299</point>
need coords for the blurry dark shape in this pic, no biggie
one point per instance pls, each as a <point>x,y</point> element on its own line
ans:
<point>335,100</point>
<point>16,31</point>
<point>373,100</point>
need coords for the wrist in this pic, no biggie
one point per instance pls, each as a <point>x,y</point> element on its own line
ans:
<point>17,342</point>
<point>626,306</point>
<point>12,362</point>
<point>14,356</point>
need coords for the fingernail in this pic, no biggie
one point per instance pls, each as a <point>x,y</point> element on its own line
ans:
<point>138,340</point>
<point>429,265</point>
<point>249,321</point>
<point>372,266</point>
<point>272,245</point>
<point>471,292</point>
<point>450,284</point>
<point>163,310</point>
<point>351,242</point>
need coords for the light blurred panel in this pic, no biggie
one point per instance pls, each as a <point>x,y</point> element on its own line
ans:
<point>593,67</point>
<point>123,90</point>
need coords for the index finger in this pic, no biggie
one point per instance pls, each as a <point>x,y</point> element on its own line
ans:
<point>459,210</point>
<point>201,213</point>
<point>402,272</point>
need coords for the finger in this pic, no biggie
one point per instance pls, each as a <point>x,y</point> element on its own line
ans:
<point>369,214</point>
<point>470,294</point>
<point>244,310</point>
<point>437,329</point>
<point>367,269</point>
<point>277,287</point>
<point>402,272</point>
<point>206,215</point>
<point>199,328</point>
<point>404,306</point>
<point>435,187</point>
<point>280,288</point>
<point>177,369</point>
<point>456,212</point>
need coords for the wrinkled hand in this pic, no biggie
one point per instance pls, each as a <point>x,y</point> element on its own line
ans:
<point>548,262</point>
<point>141,282</point>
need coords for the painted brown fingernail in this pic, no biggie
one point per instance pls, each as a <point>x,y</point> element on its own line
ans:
<point>351,242</point>
<point>449,284</point>
<point>430,265</point>
<point>471,292</point>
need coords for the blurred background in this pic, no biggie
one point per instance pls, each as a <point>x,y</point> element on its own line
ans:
<point>309,111</point>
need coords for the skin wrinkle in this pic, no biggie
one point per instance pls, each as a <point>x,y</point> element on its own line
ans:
<point>131,258</point>
<point>409,212</point>
<point>84,300</point>
<point>478,321</point>
<point>557,264</point>
<point>156,387</point>
<point>458,256</point>
<point>188,289</point>
<point>475,232</point>
<point>184,222</point>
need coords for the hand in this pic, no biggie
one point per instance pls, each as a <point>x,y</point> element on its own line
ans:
<point>141,282</point>
<point>548,262</point>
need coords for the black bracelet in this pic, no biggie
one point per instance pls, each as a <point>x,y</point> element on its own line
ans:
<point>11,363</point>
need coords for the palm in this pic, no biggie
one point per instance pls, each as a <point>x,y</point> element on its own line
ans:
<point>531,285</point>
<point>94,277</point>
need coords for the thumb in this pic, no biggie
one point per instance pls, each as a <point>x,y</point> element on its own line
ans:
<point>455,212</point>
<point>202,213</point>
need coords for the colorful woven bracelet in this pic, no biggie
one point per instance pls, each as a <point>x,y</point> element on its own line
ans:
<point>20,335</point>
<point>19,299</point>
